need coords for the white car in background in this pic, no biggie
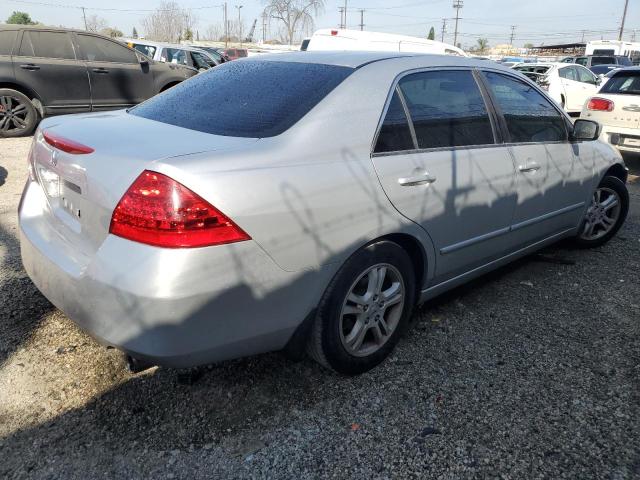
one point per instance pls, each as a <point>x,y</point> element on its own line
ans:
<point>569,85</point>
<point>617,109</point>
<point>185,55</point>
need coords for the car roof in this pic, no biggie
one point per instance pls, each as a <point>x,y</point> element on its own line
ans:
<point>356,59</point>
<point>15,26</point>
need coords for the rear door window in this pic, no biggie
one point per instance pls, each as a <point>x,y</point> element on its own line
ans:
<point>231,99</point>
<point>96,49</point>
<point>529,116</point>
<point>447,109</point>
<point>7,39</point>
<point>395,134</point>
<point>47,45</point>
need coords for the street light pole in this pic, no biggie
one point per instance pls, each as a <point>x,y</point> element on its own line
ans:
<point>239,24</point>
<point>226,26</point>
<point>624,17</point>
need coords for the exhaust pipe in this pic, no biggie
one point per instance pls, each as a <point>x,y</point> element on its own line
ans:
<point>136,365</point>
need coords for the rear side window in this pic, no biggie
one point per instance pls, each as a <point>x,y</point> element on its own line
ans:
<point>395,134</point>
<point>245,99</point>
<point>47,45</point>
<point>174,55</point>
<point>623,83</point>
<point>98,49</point>
<point>7,39</point>
<point>530,117</point>
<point>447,109</point>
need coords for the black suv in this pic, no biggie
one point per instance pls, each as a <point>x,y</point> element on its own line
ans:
<point>47,71</point>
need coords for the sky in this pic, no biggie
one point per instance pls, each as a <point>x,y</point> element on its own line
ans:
<point>537,22</point>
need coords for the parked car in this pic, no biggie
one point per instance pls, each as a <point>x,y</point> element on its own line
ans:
<point>617,108</point>
<point>602,70</point>
<point>569,85</point>
<point>590,61</point>
<point>46,71</point>
<point>235,53</point>
<point>186,235</point>
<point>195,58</point>
<point>214,52</point>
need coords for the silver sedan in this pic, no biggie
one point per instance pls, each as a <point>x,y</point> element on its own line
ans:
<point>305,202</point>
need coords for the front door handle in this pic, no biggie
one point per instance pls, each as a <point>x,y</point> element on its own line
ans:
<point>30,66</point>
<point>529,167</point>
<point>100,70</point>
<point>422,179</point>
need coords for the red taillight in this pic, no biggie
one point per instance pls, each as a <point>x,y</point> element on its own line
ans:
<point>159,211</point>
<point>334,32</point>
<point>600,104</point>
<point>65,144</point>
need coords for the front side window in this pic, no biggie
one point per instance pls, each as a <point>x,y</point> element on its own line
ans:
<point>530,117</point>
<point>447,109</point>
<point>7,38</point>
<point>97,49</point>
<point>47,45</point>
<point>230,99</point>
<point>395,134</point>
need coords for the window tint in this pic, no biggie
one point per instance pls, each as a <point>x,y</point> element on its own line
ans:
<point>530,117</point>
<point>174,55</point>
<point>394,134</point>
<point>230,99</point>
<point>148,50</point>
<point>582,61</point>
<point>623,83</point>
<point>569,73</point>
<point>585,76</point>
<point>46,45</point>
<point>98,49</point>
<point>7,39</point>
<point>603,60</point>
<point>447,109</point>
<point>201,61</point>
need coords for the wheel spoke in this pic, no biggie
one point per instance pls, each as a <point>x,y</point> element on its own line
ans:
<point>20,108</point>
<point>382,273</point>
<point>378,335</point>
<point>372,283</point>
<point>5,125</point>
<point>19,122</point>
<point>392,291</point>
<point>351,310</point>
<point>356,337</point>
<point>607,222</point>
<point>383,323</point>
<point>609,203</point>
<point>357,299</point>
<point>6,103</point>
<point>588,232</point>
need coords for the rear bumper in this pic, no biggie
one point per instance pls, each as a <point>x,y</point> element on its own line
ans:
<point>621,138</point>
<point>173,307</point>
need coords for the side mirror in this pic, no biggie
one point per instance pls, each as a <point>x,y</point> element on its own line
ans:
<point>586,130</point>
<point>144,65</point>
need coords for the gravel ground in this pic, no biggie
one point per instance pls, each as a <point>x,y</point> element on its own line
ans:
<point>530,372</point>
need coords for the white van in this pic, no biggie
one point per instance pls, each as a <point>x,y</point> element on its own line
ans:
<point>614,47</point>
<point>340,39</point>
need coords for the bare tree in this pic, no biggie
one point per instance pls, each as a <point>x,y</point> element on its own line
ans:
<point>169,22</point>
<point>294,15</point>
<point>214,32</point>
<point>96,24</point>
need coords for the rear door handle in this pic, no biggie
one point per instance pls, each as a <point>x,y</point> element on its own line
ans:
<point>30,66</point>
<point>100,70</point>
<point>529,167</point>
<point>422,179</point>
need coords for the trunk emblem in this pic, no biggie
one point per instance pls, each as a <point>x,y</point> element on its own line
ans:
<point>54,158</point>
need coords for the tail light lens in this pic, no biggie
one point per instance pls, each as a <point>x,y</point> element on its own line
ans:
<point>159,211</point>
<point>600,104</point>
<point>65,144</point>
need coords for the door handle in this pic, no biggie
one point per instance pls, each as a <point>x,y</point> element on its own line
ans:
<point>422,179</point>
<point>100,70</point>
<point>30,66</point>
<point>529,167</point>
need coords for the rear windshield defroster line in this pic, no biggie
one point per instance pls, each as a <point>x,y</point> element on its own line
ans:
<point>245,98</point>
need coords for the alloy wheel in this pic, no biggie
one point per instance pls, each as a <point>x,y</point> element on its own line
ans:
<point>13,114</point>
<point>372,310</point>
<point>602,214</point>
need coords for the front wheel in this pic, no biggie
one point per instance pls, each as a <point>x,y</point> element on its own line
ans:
<point>606,213</point>
<point>364,310</point>
<point>18,116</point>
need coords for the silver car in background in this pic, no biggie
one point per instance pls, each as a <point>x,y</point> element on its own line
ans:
<point>323,197</point>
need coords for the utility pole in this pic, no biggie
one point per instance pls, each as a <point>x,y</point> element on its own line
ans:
<point>226,26</point>
<point>444,29</point>
<point>624,17</point>
<point>361,19</point>
<point>345,14</point>
<point>457,4</point>
<point>239,24</point>
<point>513,34</point>
<point>264,27</point>
<point>341,10</point>
<point>582,39</point>
<point>84,15</point>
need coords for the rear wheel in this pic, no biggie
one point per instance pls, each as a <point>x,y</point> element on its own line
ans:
<point>18,116</point>
<point>364,310</point>
<point>606,213</point>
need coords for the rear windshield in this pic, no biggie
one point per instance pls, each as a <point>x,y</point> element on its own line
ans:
<point>623,83</point>
<point>245,98</point>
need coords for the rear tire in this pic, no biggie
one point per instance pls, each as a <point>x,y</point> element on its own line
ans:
<point>364,310</point>
<point>18,116</point>
<point>605,215</point>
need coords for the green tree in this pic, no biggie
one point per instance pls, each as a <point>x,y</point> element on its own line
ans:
<point>483,43</point>
<point>20,18</point>
<point>528,45</point>
<point>134,33</point>
<point>188,34</point>
<point>432,34</point>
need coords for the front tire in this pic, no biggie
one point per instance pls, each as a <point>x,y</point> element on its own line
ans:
<point>364,310</point>
<point>18,116</point>
<point>606,213</point>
